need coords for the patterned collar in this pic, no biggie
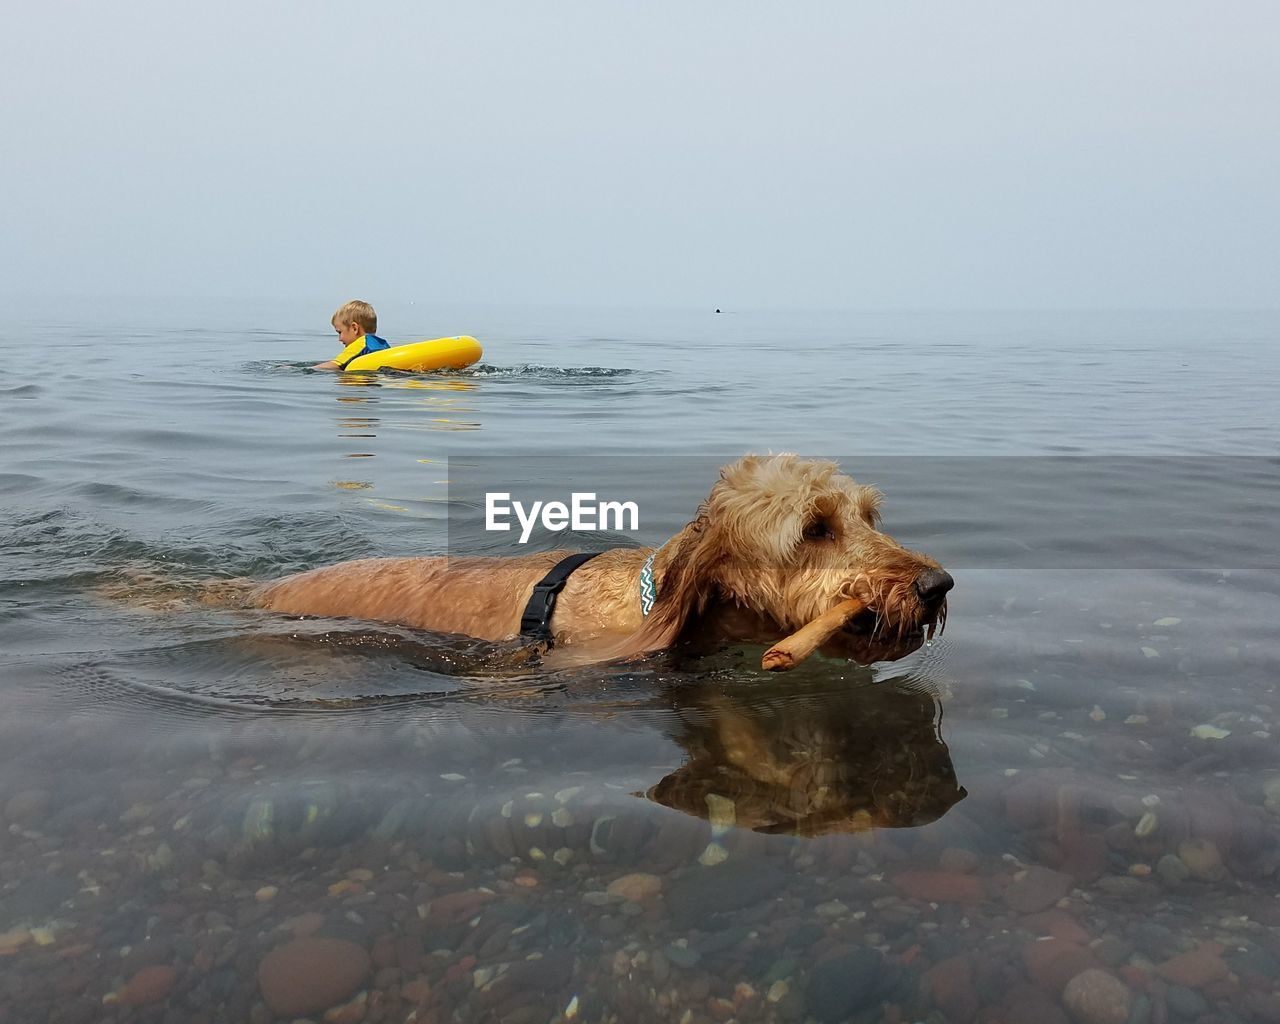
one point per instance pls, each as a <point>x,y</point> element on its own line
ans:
<point>648,588</point>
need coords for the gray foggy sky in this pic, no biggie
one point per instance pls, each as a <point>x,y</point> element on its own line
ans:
<point>733,154</point>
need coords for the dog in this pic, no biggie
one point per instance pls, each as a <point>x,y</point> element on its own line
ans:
<point>778,544</point>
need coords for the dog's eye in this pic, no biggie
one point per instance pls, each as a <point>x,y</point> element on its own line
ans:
<point>819,529</point>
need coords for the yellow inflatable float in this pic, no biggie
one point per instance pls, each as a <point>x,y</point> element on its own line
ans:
<point>437,354</point>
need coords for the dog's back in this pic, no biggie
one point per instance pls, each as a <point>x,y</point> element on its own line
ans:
<point>480,597</point>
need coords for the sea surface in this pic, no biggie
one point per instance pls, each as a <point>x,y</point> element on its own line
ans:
<point>1064,807</point>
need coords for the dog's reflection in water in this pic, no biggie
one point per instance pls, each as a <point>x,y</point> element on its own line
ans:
<point>812,764</point>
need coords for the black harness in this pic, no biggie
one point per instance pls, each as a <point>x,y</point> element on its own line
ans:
<point>535,623</point>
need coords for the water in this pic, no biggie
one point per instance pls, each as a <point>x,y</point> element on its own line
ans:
<point>1080,772</point>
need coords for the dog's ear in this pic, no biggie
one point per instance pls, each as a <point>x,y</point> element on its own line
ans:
<point>866,503</point>
<point>685,588</point>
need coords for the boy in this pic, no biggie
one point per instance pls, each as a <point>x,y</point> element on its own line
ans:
<point>356,324</point>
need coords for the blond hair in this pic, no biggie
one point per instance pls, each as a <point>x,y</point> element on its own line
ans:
<point>356,312</point>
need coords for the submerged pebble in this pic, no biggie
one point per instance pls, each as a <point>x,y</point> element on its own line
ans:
<point>1206,731</point>
<point>1096,996</point>
<point>305,976</point>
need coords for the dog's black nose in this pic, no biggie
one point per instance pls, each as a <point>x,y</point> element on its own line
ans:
<point>932,585</point>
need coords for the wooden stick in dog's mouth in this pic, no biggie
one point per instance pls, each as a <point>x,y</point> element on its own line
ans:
<point>788,652</point>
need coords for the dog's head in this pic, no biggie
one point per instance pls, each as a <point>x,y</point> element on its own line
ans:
<point>786,539</point>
